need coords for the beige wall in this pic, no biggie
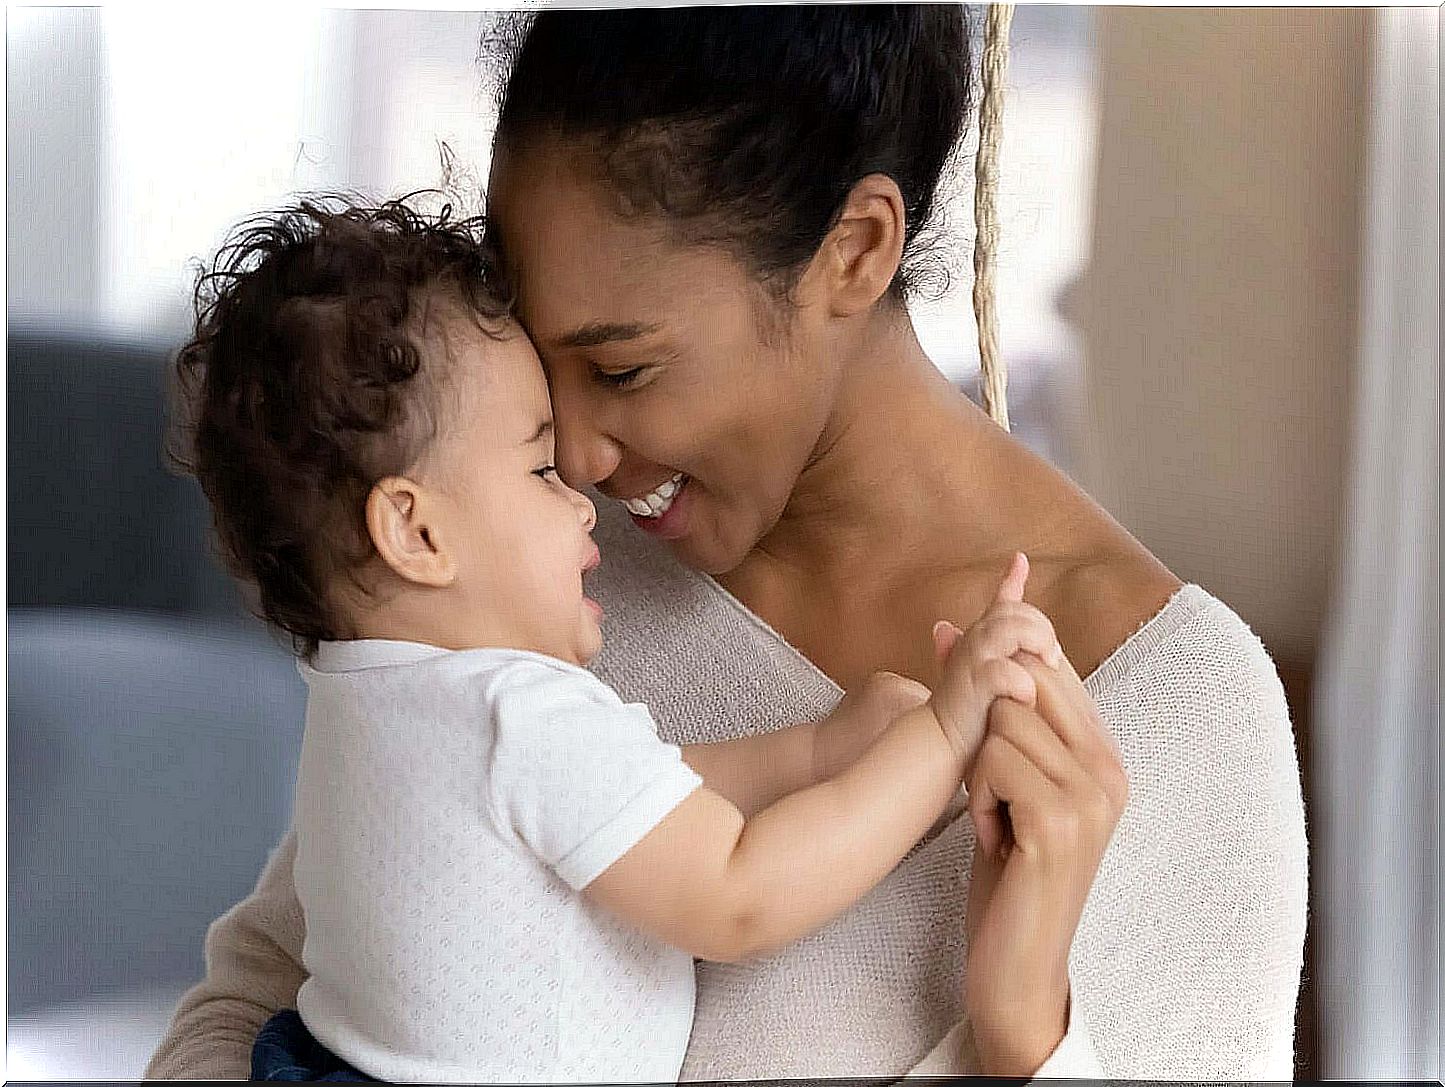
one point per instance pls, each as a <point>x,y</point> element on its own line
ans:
<point>1218,308</point>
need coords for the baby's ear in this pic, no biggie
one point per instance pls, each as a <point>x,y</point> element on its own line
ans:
<point>405,536</point>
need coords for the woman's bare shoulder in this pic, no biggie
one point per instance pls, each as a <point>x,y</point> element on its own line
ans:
<point>1102,597</point>
<point>1094,580</point>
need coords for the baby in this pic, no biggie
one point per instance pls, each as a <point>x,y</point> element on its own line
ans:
<point>505,872</point>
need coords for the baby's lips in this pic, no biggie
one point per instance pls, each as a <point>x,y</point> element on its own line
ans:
<point>593,561</point>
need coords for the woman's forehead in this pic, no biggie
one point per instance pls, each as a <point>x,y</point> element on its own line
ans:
<point>547,191</point>
<point>585,273</point>
<point>588,299</point>
<point>563,243</point>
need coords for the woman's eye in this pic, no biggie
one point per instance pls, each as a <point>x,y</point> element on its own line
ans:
<point>545,471</point>
<point>618,379</point>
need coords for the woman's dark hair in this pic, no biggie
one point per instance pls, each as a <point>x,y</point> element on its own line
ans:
<point>748,126</point>
<point>304,384</point>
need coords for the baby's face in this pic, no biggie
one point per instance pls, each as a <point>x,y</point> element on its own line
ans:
<point>520,536</point>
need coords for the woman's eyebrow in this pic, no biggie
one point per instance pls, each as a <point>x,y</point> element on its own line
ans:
<point>595,333</point>
<point>543,430</point>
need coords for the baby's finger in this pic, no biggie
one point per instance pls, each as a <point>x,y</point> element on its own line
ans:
<point>888,693</point>
<point>1001,677</point>
<point>1012,586</point>
<point>1011,609</point>
<point>944,635</point>
<point>1019,631</point>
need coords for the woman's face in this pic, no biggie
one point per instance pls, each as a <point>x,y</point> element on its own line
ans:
<point>669,366</point>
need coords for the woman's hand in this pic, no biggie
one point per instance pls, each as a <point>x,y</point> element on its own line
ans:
<point>1046,791</point>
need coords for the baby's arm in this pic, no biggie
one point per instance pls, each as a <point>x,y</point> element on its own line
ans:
<point>754,771</point>
<point>726,888</point>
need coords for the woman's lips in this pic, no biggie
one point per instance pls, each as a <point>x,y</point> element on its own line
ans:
<point>672,524</point>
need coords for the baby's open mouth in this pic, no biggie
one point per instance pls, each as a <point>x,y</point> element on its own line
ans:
<point>656,503</point>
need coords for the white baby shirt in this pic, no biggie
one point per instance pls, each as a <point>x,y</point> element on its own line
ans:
<point>450,805</point>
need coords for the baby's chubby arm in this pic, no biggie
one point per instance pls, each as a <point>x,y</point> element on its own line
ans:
<point>725,887</point>
<point>754,771</point>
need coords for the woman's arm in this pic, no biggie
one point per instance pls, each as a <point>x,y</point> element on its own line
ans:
<point>1048,790</point>
<point>956,1054</point>
<point>1045,793</point>
<point>1188,967</point>
<point>253,970</point>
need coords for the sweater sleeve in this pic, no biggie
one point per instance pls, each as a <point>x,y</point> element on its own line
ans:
<point>253,970</point>
<point>1189,954</point>
<point>1073,1058</point>
<point>1187,961</point>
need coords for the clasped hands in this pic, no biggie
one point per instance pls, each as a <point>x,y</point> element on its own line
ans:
<point>1046,787</point>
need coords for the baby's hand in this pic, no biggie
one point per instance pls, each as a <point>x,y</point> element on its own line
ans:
<point>860,718</point>
<point>978,664</point>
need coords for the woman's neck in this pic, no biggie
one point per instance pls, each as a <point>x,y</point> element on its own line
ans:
<point>905,462</point>
<point>909,510</point>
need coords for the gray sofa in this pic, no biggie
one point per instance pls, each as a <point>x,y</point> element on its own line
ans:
<point>153,726</point>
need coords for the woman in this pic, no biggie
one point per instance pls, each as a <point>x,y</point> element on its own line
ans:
<point>712,217</point>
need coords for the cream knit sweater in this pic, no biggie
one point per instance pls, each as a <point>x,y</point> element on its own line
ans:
<point>1186,964</point>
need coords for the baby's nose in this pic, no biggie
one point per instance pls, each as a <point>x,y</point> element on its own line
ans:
<point>586,509</point>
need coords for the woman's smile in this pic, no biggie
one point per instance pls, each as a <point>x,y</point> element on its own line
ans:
<point>657,501</point>
<point>666,507</point>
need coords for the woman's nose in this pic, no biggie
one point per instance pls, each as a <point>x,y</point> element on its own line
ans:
<point>585,453</point>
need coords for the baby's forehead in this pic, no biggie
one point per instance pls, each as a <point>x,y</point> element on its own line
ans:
<point>488,367</point>
<point>442,319</point>
<point>460,346</point>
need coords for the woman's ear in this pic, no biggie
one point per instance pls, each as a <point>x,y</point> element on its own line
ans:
<point>857,261</point>
<point>405,536</point>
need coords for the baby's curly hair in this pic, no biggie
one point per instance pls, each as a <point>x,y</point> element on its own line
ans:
<point>304,384</point>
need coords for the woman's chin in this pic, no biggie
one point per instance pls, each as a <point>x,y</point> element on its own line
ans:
<point>690,530</point>
<point>707,554</point>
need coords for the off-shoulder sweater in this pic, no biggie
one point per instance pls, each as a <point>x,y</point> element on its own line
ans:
<point>1186,963</point>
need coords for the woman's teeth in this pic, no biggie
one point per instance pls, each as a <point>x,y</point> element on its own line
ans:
<point>659,501</point>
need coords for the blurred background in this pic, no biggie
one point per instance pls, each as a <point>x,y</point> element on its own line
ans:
<point>1219,302</point>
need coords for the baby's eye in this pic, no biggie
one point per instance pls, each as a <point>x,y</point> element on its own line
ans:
<point>544,471</point>
<point>618,379</point>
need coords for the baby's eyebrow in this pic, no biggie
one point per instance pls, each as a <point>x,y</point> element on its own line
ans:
<point>595,333</point>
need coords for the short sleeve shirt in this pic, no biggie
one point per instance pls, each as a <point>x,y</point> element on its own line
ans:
<point>450,805</point>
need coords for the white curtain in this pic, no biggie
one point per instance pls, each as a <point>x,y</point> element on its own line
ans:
<point>1377,741</point>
